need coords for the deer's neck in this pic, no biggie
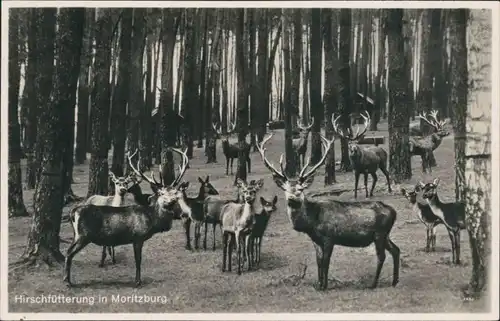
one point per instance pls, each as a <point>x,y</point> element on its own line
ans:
<point>436,140</point>
<point>247,212</point>
<point>161,219</point>
<point>436,205</point>
<point>298,214</point>
<point>118,200</point>
<point>184,206</point>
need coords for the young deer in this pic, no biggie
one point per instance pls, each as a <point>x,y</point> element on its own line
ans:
<point>259,227</point>
<point>364,160</point>
<point>300,144</point>
<point>231,150</point>
<point>425,145</point>
<point>196,214</point>
<point>425,215</point>
<point>452,215</point>
<point>237,223</point>
<point>331,222</point>
<point>121,189</point>
<point>135,224</point>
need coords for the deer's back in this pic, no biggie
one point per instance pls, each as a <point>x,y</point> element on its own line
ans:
<point>353,224</point>
<point>99,200</point>
<point>374,155</point>
<point>426,213</point>
<point>260,224</point>
<point>230,214</point>
<point>212,208</point>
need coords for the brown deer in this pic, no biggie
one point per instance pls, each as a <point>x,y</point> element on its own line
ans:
<point>237,222</point>
<point>452,215</point>
<point>121,189</point>
<point>135,224</point>
<point>424,146</point>
<point>365,160</point>
<point>332,222</point>
<point>259,227</point>
<point>231,150</point>
<point>300,144</point>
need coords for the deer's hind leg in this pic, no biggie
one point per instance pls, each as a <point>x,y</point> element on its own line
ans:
<point>374,178</point>
<point>386,173</point>
<point>380,247</point>
<point>395,253</point>
<point>365,174</point>
<point>103,256</point>
<point>73,249</point>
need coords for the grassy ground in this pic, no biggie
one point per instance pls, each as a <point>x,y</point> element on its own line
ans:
<point>193,282</point>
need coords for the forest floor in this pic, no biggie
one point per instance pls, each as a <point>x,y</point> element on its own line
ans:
<point>193,282</point>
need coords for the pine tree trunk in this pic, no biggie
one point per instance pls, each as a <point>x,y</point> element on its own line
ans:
<point>315,85</point>
<point>345,102</point>
<point>43,239</point>
<point>262,95</point>
<point>307,77</point>
<point>122,92</point>
<point>379,86</point>
<point>84,89</point>
<point>100,98</point>
<point>330,38</point>
<point>146,119</point>
<point>478,165</point>
<point>16,202</point>
<point>399,118</point>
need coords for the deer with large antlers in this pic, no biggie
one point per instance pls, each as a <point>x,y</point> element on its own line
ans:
<point>300,144</point>
<point>331,222</point>
<point>365,160</point>
<point>122,185</point>
<point>424,146</point>
<point>135,224</point>
<point>231,150</point>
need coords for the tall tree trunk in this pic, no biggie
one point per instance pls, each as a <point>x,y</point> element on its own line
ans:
<point>291,157</point>
<point>330,40</point>
<point>43,238</point>
<point>296,65</point>
<point>242,103</point>
<point>100,97</point>
<point>122,92</point>
<point>307,77</point>
<point>146,119</point>
<point>315,85</point>
<point>84,89</point>
<point>478,165</point>
<point>344,85</point>
<point>261,84</point>
<point>379,86</point>
<point>225,77</point>
<point>202,66</point>
<point>136,98</point>
<point>399,118</point>
<point>16,202</point>
<point>168,126</point>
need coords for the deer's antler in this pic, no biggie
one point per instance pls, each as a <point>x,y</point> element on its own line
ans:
<point>433,122</point>
<point>308,127</point>
<point>151,179</point>
<point>182,168</point>
<point>327,144</point>
<point>262,150</point>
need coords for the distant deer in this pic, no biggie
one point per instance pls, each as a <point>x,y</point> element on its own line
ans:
<point>135,224</point>
<point>196,214</point>
<point>365,160</point>
<point>231,150</point>
<point>259,227</point>
<point>237,223</point>
<point>300,144</point>
<point>121,189</point>
<point>332,222</point>
<point>425,215</point>
<point>425,145</point>
<point>452,215</point>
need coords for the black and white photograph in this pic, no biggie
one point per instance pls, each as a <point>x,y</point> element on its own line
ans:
<point>239,160</point>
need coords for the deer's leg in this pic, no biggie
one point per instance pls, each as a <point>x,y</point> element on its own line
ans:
<point>225,250</point>
<point>423,158</point>
<point>230,252</point>
<point>453,243</point>
<point>395,252</point>
<point>197,234</point>
<point>73,249</point>
<point>433,235</point>
<point>258,249</point>
<point>365,174</point>
<point>429,238</point>
<point>103,256</point>
<point>187,229</point>
<point>238,250</point>
<point>232,159</point>
<point>205,237</point>
<point>249,162</point>
<point>319,263</point>
<point>248,256</point>
<point>214,225</point>
<point>386,173</point>
<point>374,178</point>
<point>112,254</point>
<point>327,254</point>
<point>457,246</point>
<point>380,246</point>
<point>227,165</point>
<point>138,261</point>
<point>356,180</point>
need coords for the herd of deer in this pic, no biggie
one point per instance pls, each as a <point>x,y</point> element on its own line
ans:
<point>107,222</point>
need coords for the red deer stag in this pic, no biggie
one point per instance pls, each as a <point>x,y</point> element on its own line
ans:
<point>135,224</point>
<point>365,160</point>
<point>332,222</point>
<point>424,146</point>
<point>231,150</point>
<point>300,144</point>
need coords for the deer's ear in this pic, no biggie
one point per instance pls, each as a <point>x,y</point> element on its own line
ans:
<point>307,182</point>
<point>403,191</point>
<point>154,188</point>
<point>280,181</point>
<point>259,183</point>
<point>207,179</point>
<point>184,186</point>
<point>275,199</point>
<point>262,201</point>
<point>200,180</point>
<point>240,183</point>
<point>436,181</point>
<point>112,175</point>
